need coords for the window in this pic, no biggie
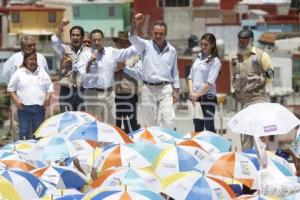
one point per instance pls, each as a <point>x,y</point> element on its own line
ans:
<point>112,32</point>
<point>52,17</point>
<point>76,11</point>
<point>15,17</point>
<point>176,3</point>
<point>111,11</point>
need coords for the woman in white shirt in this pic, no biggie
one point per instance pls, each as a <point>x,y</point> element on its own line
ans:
<point>201,82</point>
<point>30,88</point>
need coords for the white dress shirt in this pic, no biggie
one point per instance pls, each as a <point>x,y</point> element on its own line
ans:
<point>30,87</point>
<point>16,61</point>
<point>157,65</point>
<point>102,71</point>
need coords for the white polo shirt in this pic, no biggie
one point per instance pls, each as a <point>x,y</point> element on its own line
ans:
<point>30,87</point>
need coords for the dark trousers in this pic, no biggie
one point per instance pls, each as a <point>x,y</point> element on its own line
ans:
<point>126,105</point>
<point>70,99</point>
<point>208,104</point>
<point>30,118</point>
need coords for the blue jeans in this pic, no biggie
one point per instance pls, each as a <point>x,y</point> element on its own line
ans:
<point>30,118</point>
<point>70,99</point>
<point>208,104</point>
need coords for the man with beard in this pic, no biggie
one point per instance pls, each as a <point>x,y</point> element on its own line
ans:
<point>251,73</point>
<point>71,92</point>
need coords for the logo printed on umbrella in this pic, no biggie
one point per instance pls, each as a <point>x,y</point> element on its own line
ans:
<point>245,167</point>
<point>270,128</point>
<point>83,133</point>
<point>219,193</point>
<point>39,189</point>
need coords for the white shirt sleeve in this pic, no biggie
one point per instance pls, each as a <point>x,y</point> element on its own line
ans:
<point>13,83</point>
<point>42,62</point>
<point>57,45</point>
<point>139,43</point>
<point>9,68</point>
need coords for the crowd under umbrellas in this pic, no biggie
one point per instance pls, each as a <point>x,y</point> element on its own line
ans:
<point>78,157</point>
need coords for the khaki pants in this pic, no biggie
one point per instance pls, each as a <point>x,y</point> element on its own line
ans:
<point>14,121</point>
<point>101,105</point>
<point>157,105</point>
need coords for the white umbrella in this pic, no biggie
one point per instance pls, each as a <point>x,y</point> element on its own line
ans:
<point>263,119</point>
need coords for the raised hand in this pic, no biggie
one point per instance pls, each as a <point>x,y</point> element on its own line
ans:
<point>139,18</point>
<point>65,22</point>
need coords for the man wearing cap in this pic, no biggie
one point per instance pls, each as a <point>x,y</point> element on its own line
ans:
<point>159,74</point>
<point>126,89</point>
<point>251,72</point>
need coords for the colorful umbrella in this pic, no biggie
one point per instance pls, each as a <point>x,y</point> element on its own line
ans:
<point>88,151</point>
<point>255,197</point>
<point>235,165</point>
<point>136,155</point>
<point>177,158</point>
<point>208,147</point>
<point>52,149</point>
<point>20,146</point>
<point>276,161</point>
<point>116,193</point>
<point>55,124</point>
<point>157,135</point>
<point>222,143</point>
<point>26,184</point>
<point>7,190</point>
<point>62,177</point>
<point>192,185</point>
<point>66,194</point>
<point>128,176</point>
<point>99,131</point>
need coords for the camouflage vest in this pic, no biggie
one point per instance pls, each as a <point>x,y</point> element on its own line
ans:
<point>249,80</point>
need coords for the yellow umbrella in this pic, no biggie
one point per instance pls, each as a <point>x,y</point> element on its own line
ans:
<point>7,190</point>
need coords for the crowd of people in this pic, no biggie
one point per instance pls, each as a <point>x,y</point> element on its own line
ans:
<point>103,81</point>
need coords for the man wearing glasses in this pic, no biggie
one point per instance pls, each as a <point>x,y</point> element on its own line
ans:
<point>159,74</point>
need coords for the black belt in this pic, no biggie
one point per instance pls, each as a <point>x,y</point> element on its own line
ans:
<point>156,84</point>
<point>101,89</point>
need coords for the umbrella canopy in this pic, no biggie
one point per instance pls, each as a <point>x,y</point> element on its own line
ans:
<point>235,165</point>
<point>99,131</point>
<point>62,177</point>
<point>116,193</point>
<point>255,197</point>
<point>7,190</point>
<point>27,185</point>
<point>276,161</point>
<point>157,135</point>
<point>128,176</point>
<point>55,124</point>
<point>136,155</point>
<point>88,151</point>
<point>263,119</point>
<point>192,185</point>
<point>66,194</point>
<point>52,149</point>
<point>20,146</point>
<point>222,143</point>
<point>178,158</point>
